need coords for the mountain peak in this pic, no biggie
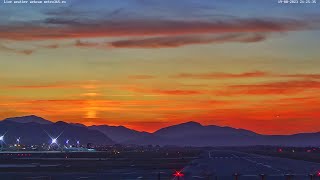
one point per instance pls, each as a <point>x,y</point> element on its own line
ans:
<point>61,123</point>
<point>28,119</point>
<point>29,116</point>
<point>190,123</point>
<point>189,126</point>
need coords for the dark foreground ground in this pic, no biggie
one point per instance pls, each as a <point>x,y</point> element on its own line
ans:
<point>95,166</point>
<point>224,164</point>
<point>208,164</point>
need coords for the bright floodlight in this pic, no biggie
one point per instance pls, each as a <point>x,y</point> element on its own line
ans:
<point>54,141</point>
<point>78,142</point>
<point>1,138</point>
<point>18,140</point>
<point>67,141</point>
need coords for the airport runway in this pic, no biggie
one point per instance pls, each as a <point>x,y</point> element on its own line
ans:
<point>111,175</point>
<point>224,164</point>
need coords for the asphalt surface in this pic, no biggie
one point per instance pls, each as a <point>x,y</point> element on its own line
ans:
<point>225,164</point>
<point>213,165</point>
<point>111,175</point>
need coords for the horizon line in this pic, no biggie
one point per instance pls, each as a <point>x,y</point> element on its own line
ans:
<point>185,122</point>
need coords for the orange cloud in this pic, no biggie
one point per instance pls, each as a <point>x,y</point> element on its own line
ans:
<point>91,94</point>
<point>173,41</point>
<point>51,46</point>
<point>65,28</point>
<point>306,76</point>
<point>80,43</point>
<point>273,88</point>
<point>51,86</point>
<point>19,51</point>
<point>253,74</point>
<point>178,41</point>
<point>177,92</point>
<point>61,85</point>
<point>141,77</point>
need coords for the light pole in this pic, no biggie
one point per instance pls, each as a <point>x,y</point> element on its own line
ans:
<point>311,176</point>
<point>236,176</point>
<point>263,176</point>
<point>18,141</point>
<point>2,141</point>
<point>159,174</point>
<point>67,143</point>
<point>289,176</point>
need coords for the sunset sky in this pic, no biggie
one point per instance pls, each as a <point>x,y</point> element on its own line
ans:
<point>146,64</point>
